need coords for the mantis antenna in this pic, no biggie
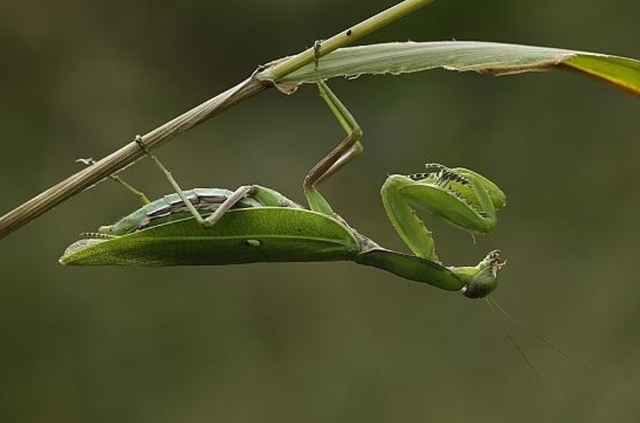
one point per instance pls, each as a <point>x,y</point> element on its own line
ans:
<point>511,339</point>
<point>492,303</point>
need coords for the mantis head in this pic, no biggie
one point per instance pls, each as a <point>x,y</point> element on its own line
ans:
<point>485,280</point>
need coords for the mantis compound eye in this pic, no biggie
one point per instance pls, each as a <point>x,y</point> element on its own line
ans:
<point>482,285</point>
<point>486,281</point>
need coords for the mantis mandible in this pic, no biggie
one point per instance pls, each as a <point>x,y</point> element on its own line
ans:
<point>211,226</point>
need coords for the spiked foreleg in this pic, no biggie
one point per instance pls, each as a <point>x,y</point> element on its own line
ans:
<point>404,219</point>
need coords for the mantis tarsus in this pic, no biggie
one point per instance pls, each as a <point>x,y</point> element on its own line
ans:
<point>258,224</point>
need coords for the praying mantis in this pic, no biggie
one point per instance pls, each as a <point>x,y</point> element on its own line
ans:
<point>213,226</point>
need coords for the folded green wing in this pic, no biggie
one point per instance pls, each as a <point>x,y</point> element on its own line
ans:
<point>267,234</point>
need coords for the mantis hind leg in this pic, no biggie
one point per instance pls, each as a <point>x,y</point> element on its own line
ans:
<point>267,197</point>
<point>264,195</point>
<point>238,194</point>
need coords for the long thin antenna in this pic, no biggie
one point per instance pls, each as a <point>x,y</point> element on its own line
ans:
<point>537,335</point>
<point>512,339</point>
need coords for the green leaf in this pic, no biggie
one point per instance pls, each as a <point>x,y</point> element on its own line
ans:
<point>462,56</point>
<point>621,72</point>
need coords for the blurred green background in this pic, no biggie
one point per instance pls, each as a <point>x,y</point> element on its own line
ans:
<point>318,342</point>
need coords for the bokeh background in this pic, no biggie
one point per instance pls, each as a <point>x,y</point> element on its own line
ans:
<point>318,342</point>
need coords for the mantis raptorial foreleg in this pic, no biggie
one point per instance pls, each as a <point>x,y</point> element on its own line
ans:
<point>460,196</point>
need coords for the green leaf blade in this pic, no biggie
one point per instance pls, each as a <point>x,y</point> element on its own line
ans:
<point>620,72</point>
<point>464,56</point>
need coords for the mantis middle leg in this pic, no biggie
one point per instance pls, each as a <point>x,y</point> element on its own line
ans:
<point>346,151</point>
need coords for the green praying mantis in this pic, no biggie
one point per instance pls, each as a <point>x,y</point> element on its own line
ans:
<point>211,226</point>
